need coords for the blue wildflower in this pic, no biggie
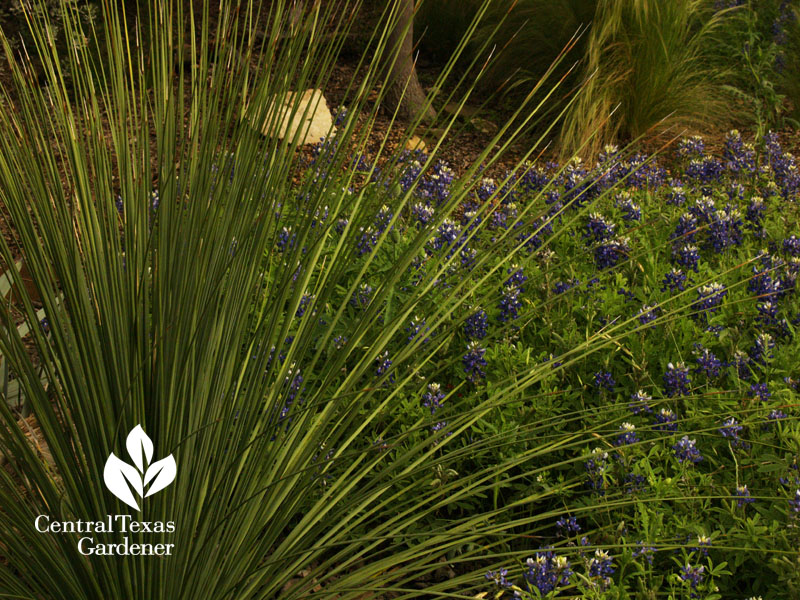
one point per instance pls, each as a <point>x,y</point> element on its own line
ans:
<point>476,325</point>
<point>474,362</point>
<point>432,399</point>
<point>604,381</point>
<point>675,279</point>
<point>640,402</point>
<point>546,571</point>
<point>676,380</point>
<point>686,451</point>
<point>665,420</point>
<point>627,435</point>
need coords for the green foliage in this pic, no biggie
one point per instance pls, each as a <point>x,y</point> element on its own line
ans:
<point>762,38</point>
<point>647,67</point>
<point>298,330</point>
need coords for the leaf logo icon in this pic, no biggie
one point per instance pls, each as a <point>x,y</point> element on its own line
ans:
<point>123,479</point>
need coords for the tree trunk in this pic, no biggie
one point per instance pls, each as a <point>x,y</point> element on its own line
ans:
<point>404,91</point>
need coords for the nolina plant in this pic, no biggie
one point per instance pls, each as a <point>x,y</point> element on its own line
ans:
<point>195,299</point>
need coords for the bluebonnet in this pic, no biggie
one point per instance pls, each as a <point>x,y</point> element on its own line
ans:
<point>767,312</point>
<point>604,381</point>
<point>627,435</point>
<point>762,283</point>
<point>691,147</point>
<point>755,214</point>
<point>486,188</point>
<point>440,426</point>
<point>474,362</point>
<point>293,382</point>
<point>596,468</point>
<point>415,327</point>
<point>761,350</point>
<point>285,239</point>
<point>608,153</point>
<point>676,380</point>
<point>725,230</point>
<point>687,256</point>
<point>665,420</point>
<point>564,286</point>
<point>470,220</point>
<point>340,225</point>
<point>541,227</point>
<point>776,415</point>
<point>706,170</point>
<point>742,363</point>
<point>546,571</point>
<point>644,550</point>
<point>45,325</point>
<point>446,234</point>
<point>500,578</point>
<point>423,213</point>
<point>628,295</point>
<point>703,544</point>
<point>432,399</point>
<point>411,169</point>
<point>693,575</point>
<point>601,567</point>
<point>339,342</point>
<point>501,216</point>
<point>707,362</point>
<point>675,279</point>
<point>382,219</point>
<point>640,402</point>
<point>686,229</point>
<point>367,241</point>
<point>509,304</point>
<point>468,257</point>
<point>740,156</point>
<point>677,194</point>
<point>742,496</point>
<point>791,246</point>
<point>731,429</point>
<point>634,482</point>
<point>598,229</point>
<point>383,365</point>
<point>566,526</point>
<point>305,300</point>
<point>476,325</point>
<point>362,296</point>
<point>535,178</point>
<point>436,184</point>
<point>735,191</point>
<point>686,451</point>
<point>795,502</point>
<point>517,278</point>
<point>608,254</point>
<point>339,115</point>
<point>630,210</point>
<point>647,314</point>
<point>643,172</point>
<point>155,200</point>
<point>709,299</point>
<point>760,391</point>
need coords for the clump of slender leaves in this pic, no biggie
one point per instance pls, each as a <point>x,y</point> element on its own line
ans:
<point>365,367</point>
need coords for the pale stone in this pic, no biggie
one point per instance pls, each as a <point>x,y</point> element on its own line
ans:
<point>416,143</point>
<point>311,117</point>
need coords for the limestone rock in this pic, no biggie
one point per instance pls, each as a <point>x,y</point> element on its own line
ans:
<point>312,117</point>
<point>416,143</point>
